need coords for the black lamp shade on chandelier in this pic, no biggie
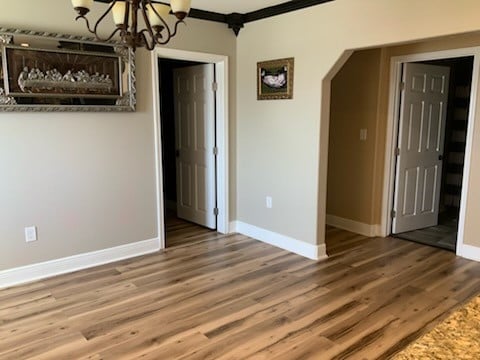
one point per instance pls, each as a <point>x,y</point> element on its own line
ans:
<point>126,15</point>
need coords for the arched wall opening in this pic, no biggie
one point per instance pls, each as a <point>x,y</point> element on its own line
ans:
<point>375,117</point>
<point>367,104</point>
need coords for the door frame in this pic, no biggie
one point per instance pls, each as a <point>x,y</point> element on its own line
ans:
<point>392,132</point>
<point>221,128</point>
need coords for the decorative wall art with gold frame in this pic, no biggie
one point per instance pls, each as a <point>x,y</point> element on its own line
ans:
<point>52,72</point>
<point>275,79</point>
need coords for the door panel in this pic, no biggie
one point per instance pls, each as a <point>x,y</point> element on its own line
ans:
<point>409,204</point>
<point>420,142</point>
<point>429,182</point>
<point>195,141</point>
<point>184,192</point>
<point>415,119</point>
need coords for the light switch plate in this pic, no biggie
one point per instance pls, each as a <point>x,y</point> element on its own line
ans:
<point>268,202</point>
<point>363,134</point>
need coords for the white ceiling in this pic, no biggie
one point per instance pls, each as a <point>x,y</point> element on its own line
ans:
<point>231,6</point>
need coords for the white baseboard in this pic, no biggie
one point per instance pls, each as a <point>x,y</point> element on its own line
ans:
<point>232,227</point>
<point>353,226</point>
<point>469,252</point>
<point>314,252</point>
<point>69,264</point>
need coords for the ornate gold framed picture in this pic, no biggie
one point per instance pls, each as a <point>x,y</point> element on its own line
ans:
<point>275,79</point>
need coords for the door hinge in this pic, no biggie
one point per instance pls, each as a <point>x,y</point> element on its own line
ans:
<point>402,86</point>
<point>393,214</point>
<point>215,211</point>
<point>214,86</point>
<point>215,150</point>
<point>397,152</point>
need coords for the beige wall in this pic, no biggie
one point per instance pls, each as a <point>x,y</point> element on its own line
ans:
<point>351,162</point>
<point>282,146</point>
<point>86,180</point>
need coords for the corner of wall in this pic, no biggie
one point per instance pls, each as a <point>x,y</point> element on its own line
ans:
<point>313,252</point>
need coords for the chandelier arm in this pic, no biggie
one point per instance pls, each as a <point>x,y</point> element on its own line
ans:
<point>159,39</point>
<point>176,27</point>
<point>149,29</point>
<point>170,34</point>
<point>101,19</point>
<point>149,45</point>
<point>114,32</point>
<point>86,22</point>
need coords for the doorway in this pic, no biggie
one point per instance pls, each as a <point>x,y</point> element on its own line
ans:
<point>432,133</point>
<point>454,174</point>
<point>182,139</point>
<point>187,113</point>
<point>360,189</point>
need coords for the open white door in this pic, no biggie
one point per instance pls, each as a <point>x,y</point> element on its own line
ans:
<point>195,142</point>
<point>423,112</point>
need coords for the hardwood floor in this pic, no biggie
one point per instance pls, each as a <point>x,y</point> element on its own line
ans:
<point>231,297</point>
<point>181,232</point>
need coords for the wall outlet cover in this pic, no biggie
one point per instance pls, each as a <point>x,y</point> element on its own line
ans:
<point>30,234</point>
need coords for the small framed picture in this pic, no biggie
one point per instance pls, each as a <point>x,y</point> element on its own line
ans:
<point>275,79</point>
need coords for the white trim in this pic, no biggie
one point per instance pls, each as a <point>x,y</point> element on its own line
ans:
<point>158,152</point>
<point>314,252</point>
<point>69,264</point>
<point>221,73</point>
<point>392,125</point>
<point>221,70</point>
<point>390,144</point>
<point>352,226</point>
<point>232,228</point>
<point>461,246</point>
<point>469,252</point>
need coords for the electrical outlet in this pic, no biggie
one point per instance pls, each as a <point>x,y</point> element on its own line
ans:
<point>30,234</point>
<point>268,202</point>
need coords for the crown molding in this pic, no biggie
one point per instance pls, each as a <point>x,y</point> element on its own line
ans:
<point>207,15</point>
<point>237,21</point>
<point>283,8</point>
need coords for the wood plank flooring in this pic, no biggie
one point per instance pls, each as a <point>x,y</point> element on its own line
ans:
<point>213,296</point>
<point>181,232</point>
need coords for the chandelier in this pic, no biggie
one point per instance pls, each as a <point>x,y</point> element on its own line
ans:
<point>126,15</point>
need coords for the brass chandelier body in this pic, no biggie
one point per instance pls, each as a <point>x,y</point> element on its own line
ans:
<point>126,15</point>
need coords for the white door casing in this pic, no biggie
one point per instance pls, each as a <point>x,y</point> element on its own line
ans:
<point>423,111</point>
<point>194,100</point>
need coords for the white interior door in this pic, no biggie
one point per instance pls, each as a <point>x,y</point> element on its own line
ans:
<point>195,143</point>
<point>423,112</point>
